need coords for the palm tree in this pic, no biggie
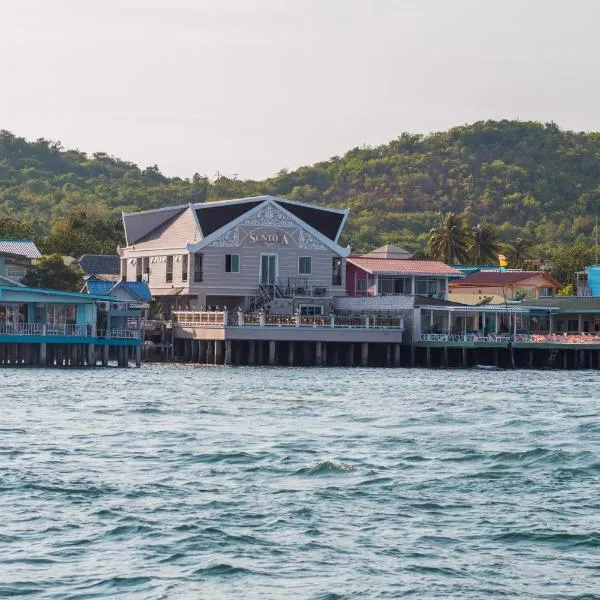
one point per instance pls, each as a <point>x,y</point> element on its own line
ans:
<point>483,247</point>
<point>518,251</point>
<point>448,241</point>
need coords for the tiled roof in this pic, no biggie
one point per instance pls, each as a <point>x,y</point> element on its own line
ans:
<point>100,263</point>
<point>389,251</point>
<point>20,247</point>
<point>491,278</point>
<point>139,289</point>
<point>402,267</point>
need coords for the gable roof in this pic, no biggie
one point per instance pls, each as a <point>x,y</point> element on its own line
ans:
<point>108,264</point>
<point>394,266</point>
<point>212,216</point>
<point>495,279</point>
<point>139,224</point>
<point>139,289</point>
<point>24,248</point>
<point>389,251</point>
<point>267,203</point>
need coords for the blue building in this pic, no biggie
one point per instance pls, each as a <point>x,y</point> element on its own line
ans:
<point>50,327</point>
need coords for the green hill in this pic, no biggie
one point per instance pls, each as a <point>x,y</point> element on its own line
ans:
<point>530,179</point>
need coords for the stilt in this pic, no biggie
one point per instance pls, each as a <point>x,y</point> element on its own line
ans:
<point>397,351</point>
<point>227,352</point>
<point>388,355</point>
<point>291,354</point>
<point>350,354</point>
<point>251,353</point>
<point>465,357</point>
<point>210,352</point>
<point>531,359</point>
<point>324,349</point>
<point>202,351</point>
<point>364,354</point>
<point>272,353</point>
<point>446,357</point>
<point>318,354</point>
<point>138,356</point>
<point>218,352</point>
<point>413,351</point>
<point>43,355</point>
<point>565,360</point>
<point>105,356</point>
<point>428,351</point>
<point>260,353</point>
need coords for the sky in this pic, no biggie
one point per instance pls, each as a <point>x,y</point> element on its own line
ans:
<point>245,88</point>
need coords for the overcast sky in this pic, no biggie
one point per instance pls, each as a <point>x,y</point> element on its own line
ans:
<point>249,87</point>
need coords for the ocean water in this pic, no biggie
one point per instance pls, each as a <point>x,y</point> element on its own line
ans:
<point>183,482</point>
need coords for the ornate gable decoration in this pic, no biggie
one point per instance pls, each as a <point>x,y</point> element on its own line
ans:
<point>268,227</point>
<point>269,216</point>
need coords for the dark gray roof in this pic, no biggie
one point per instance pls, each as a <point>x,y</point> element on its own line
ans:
<point>214,217</point>
<point>100,263</point>
<point>138,225</point>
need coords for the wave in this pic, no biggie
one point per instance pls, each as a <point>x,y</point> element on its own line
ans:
<point>588,540</point>
<point>327,467</point>
<point>221,570</point>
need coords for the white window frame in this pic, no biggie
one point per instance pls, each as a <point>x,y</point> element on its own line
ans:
<point>231,257</point>
<point>309,258</point>
<point>312,306</point>
<point>260,278</point>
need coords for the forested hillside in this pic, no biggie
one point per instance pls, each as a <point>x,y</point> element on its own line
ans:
<point>532,180</point>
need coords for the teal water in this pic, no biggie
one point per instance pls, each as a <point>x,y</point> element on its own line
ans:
<point>182,482</point>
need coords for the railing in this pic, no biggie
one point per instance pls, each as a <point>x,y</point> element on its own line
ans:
<point>205,319</point>
<point>524,338</point>
<point>261,319</point>
<point>78,330</point>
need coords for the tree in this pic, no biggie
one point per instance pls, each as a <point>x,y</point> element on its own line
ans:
<point>448,241</point>
<point>50,272</point>
<point>483,247</point>
<point>518,252</point>
<point>14,228</point>
<point>568,259</point>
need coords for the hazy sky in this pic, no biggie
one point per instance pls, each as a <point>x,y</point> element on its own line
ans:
<point>249,87</point>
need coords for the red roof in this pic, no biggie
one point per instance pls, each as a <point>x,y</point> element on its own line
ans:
<point>496,278</point>
<point>395,266</point>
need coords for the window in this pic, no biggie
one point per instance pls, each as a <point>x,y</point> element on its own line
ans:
<point>304,265</point>
<point>198,267</point>
<point>232,263</point>
<point>184,267</point>
<point>169,276</point>
<point>146,269</point>
<point>546,292</point>
<point>309,309</point>
<point>138,269</point>
<point>336,271</point>
<point>393,285</point>
<point>426,287</point>
<point>572,325</point>
<point>361,286</point>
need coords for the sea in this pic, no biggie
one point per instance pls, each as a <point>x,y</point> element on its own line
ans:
<point>179,481</point>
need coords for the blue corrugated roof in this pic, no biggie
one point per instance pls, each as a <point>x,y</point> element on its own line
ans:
<point>139,288</point>
<point>100,287</point>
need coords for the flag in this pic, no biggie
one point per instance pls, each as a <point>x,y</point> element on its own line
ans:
<point>502,260</point>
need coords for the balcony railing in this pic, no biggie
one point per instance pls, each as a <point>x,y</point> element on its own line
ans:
<point>80,330</point>
<point>534,338</point>
<point>239,319</point>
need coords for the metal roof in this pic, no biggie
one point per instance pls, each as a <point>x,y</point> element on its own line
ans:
<point>100,263</point>
<point>20,247</point>
<point>495,278</point>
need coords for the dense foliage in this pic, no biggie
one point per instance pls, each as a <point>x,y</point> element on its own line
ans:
<point>535,185</point>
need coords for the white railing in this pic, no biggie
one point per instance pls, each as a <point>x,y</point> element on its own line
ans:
<point>21,329</point>
<point>120,334</point>
<point>524,338</point>
<point>196,318</point>
<point>80,330</point>
<point>261,319</point>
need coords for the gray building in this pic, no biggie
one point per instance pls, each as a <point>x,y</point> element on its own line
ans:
<point>260,252</point>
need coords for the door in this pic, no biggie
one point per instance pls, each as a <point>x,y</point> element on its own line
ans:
<point>268,269</point>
